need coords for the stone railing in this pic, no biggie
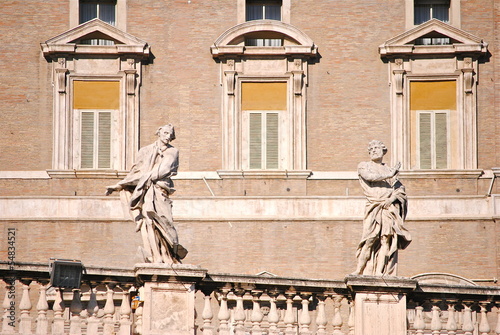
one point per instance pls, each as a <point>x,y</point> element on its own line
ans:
<point>184,299</point>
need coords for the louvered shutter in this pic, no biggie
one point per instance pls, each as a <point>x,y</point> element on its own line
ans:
<point>255,140</point>
<point>87,140</point>
<point>272,141</point>
<point>425,141</point>
<point>104,140</point>
<point>441,140</point>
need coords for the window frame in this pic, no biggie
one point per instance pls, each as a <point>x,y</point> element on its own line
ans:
<point>120,14</point>
<point>454,14</point>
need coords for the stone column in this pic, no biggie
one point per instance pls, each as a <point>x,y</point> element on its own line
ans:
<point>380,304</point>
<point>169,297</point>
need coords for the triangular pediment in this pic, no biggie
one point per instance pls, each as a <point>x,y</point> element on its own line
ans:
<point>94,29</point>
<point>458,40</point>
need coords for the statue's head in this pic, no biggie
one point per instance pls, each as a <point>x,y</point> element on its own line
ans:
<point>166,132</point>
<point>375,143</point>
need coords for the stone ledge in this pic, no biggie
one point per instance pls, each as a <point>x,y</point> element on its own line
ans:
<point>380,284</point>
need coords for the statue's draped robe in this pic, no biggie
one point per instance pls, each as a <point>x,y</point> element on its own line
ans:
<point>380,221</point>
<point>147,187</point>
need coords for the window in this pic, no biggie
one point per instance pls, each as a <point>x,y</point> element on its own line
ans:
<point>264,42</point>
<point>103,10</point>
<point>264,107</point>
<point>263,10</point>
<point>95,106</point>
<point>424,10</point>
<point>432,108</point>
<point>96,103</point>
<point>433,99</point>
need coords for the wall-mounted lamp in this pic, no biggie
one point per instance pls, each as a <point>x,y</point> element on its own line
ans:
<point>65,273</point>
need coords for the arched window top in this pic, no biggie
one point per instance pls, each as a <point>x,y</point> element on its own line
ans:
<point>232,41</point>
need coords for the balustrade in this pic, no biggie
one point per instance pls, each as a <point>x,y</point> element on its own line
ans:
<point>242,305</point>
<point>452,317</point>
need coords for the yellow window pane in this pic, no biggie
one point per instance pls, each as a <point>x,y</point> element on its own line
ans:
<point>96,94</point>
<point>433,95</point>
<point>263,96</point>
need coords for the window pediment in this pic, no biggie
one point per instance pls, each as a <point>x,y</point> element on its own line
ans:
<point>69,41</point>
<point>459,41</point>
<point>232,41</point>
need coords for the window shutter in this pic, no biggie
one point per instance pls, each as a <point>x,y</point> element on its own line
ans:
<point>272,141</point>
<point>87,138</point>
<point>255,140</point>
<point>441,139</point>
<point>104,140</point>
<point>425,141</point>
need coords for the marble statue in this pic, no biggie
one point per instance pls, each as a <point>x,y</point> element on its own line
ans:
<point>383,224</point>
<point>147,189</point>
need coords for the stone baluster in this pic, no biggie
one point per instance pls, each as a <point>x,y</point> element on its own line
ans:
<point>42,323</point>
<point>467,325</point>
<point>436,321</point>
<point>9,308</point>
<point>92,309</point>
<point>484,326</point>
<point>419,323</point>
<point>125,313</point>
<point>25,308</point>
<point>109,311</point>
<point>497,328</point>
<point>207,314</point>
<point>337,317</point>
<point>351,322</point>
<point>273,316</point>
<point>58,308</point>
<point>239,313</point>
<point>451,324</point>
<point>138,318</point>
<point>321,320</point>
<point>256,316</point>
<point>305,317</point>
<point>224,314</point>
<point>75,323</point>
<point>289,318</point>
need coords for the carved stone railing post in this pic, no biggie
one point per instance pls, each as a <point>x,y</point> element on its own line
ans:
<point>305,317</point>
<point>451,324</point>
<point>497,328</point>
<point>321,320</point>
<point>125,313</point>
<point>76,308</point>
<point>239,313</point>
<point>92,309</point>
<point>436,321</point>
<point>25,308</point>
<point>9,308</point>
<point>42,323</point>
<point>419,323</point>
<point>257,315</point>
<point>273,316</point>
<point>467,325</point>
<point>138,319</point>
<point>484,326</point>
<point>58,308</point>
<point>207,314</point>
<point>351,322</point>
<point>224,314</point>
<point>289,315</point>
<point>337,317</point>
<point>109,311</point>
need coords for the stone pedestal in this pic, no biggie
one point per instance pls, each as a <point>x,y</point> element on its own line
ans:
<point>380,304</point>
<point>169,293</point>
